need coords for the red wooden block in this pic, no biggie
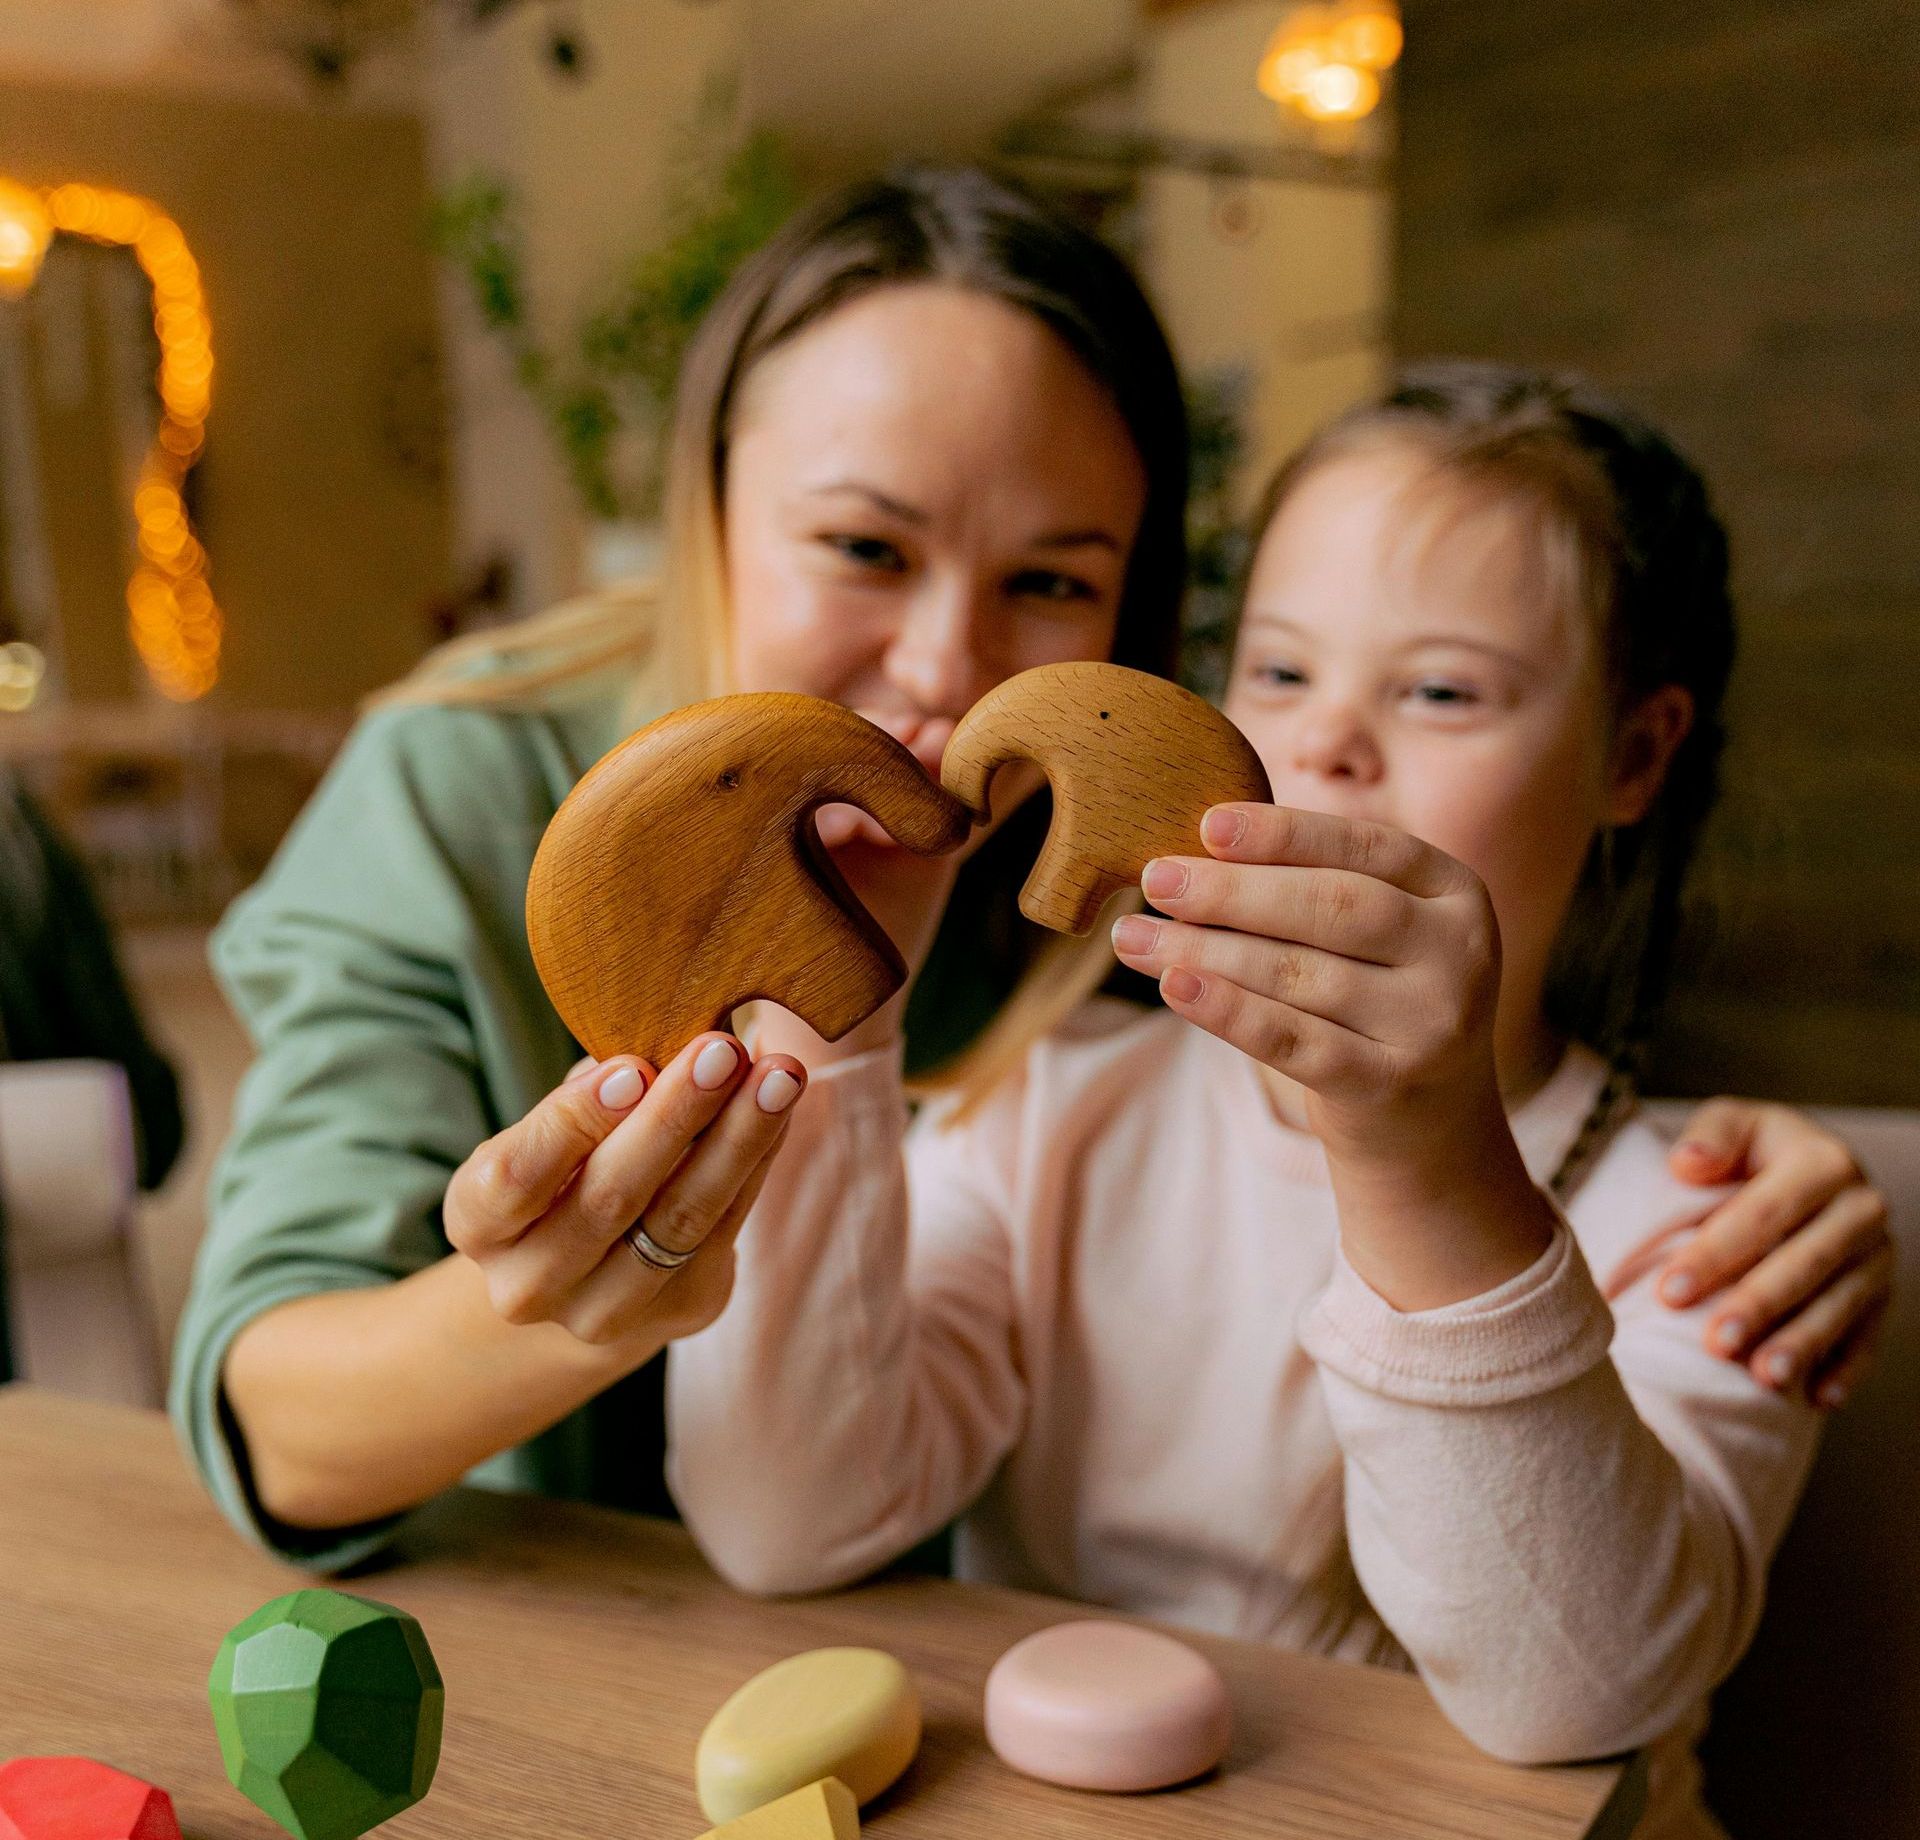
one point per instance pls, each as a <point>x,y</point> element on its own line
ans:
<point>74,1798</point>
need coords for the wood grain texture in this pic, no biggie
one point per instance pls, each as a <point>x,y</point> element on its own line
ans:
<point>583,1650</point>
<point>683,876</point>
<point>1134,761</point>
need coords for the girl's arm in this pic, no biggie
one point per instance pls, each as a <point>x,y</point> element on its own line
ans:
<point>861,1387</point>
<point>1568,1574</point>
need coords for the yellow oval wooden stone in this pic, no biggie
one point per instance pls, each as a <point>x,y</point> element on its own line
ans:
<point>820,1811</point>
<point>847,1712</point>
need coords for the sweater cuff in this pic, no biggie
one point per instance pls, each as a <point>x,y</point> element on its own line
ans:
<point>1537,1331</point>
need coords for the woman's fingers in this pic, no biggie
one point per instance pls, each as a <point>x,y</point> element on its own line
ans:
<point>1787,1358</point>
<point>1318,840</point>
<point>1357,996</point>
<point>1835,1382</point>
<point>623,1292</point>
<point>617,1182</point>
<point>1760,1216</point>
<point>1848,1230</point>
<point>1715,1144</point>
<point>511,1180</point>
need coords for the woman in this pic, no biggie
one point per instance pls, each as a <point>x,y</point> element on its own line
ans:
<point>931,436</point>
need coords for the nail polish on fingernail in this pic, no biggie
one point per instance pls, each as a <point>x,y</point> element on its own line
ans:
<point>1222,826</point>
<point>1780,1368</point>
<point>621,1089</point>
<point>777,1091</point>
<point>1729,1334</point>
<point>713,1065</point>
<point>1163,878</point>
<point>1134,936</point>
<point>1180,985</point>
<point>1679,1288</point>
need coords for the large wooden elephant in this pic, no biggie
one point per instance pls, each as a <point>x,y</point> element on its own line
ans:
<point>683,875</point>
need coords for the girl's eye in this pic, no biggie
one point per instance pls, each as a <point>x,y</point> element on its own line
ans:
<point>1051,585</point>
<point>869,552</point>
<point>1442,693</point>
<point>1280,676</point>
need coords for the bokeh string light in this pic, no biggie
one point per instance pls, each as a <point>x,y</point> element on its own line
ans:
<point>1325,61</point>
<point>172,615</point>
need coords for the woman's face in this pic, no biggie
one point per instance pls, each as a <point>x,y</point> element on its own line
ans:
<point>926,492</point>
<point>1404,657</point>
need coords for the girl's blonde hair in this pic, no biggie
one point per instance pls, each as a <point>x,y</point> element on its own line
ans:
<point>958,227</point>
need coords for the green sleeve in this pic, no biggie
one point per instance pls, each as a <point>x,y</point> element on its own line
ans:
<point>381,967</point>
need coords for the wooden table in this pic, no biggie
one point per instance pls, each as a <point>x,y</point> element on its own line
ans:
<point>583,1651</point>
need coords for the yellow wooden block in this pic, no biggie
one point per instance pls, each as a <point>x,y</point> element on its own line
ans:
<point>846,1712</point>
<point>820,1811</point>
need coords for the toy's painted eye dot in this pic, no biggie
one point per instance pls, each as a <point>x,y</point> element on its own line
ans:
<point>1104,714</point>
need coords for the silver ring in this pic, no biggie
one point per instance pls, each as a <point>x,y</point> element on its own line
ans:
<point>649,1250</point>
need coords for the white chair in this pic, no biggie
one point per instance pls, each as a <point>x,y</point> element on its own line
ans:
<point>78,1311</point>
<point>1818,1730</point>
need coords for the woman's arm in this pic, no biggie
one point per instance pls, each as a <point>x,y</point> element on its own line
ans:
<point>356,1404</point>
<point>861,1386</point>
<point>1801,1257</point>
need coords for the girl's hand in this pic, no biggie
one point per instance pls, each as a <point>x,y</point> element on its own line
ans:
<point>1365,965</point>
<point>1351,957</point>
<point>542,1207</point>
<point>1806,1238</point>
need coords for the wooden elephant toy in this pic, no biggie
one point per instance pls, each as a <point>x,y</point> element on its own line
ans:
<point>683,876</point>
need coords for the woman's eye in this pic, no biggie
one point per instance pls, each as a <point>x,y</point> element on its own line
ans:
<point>1051,585</point>
<point>868,552</point>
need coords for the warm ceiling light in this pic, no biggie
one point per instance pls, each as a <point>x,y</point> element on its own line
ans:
<point>25,232</point>
<point>1325,60</point>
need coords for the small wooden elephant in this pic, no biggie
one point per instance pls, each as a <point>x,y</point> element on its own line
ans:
<point>683,875</point>
<point>1134,762</point>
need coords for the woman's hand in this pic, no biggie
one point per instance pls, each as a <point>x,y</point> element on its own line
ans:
<point>1365,965</point>
<point>543,1207</point>
<point>1804,1244</point>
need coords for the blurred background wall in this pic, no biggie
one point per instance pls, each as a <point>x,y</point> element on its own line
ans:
<point>1716,210</point>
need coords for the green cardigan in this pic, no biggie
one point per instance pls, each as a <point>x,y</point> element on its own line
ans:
<point>381,965</point>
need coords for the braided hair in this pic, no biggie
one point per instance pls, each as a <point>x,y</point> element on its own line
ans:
<point>1646,554</point>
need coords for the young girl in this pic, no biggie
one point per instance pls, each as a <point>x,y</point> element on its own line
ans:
<point>1262,1313</point>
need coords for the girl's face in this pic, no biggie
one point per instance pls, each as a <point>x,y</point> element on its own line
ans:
<point>926,492</point>
<point>1404,657</point>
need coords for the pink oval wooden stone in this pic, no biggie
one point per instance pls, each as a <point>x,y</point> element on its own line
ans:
<point>1097,1705</point>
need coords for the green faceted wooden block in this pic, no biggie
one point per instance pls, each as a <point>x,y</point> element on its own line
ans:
<point>328,1709</point>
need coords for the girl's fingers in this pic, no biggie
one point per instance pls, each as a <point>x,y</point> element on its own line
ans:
<point>511,1180</point>
<point>1323,984</point>
<point>1787,1357</point>
<point>1760,1216</point>
<point>1336,910</point>
<point>1842,1235</point>
<point>1835,1382</point>
<point>617,1182</point>
<point>1318,840</point>
<point>1318,1053</point>
<point>620,1294</point>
